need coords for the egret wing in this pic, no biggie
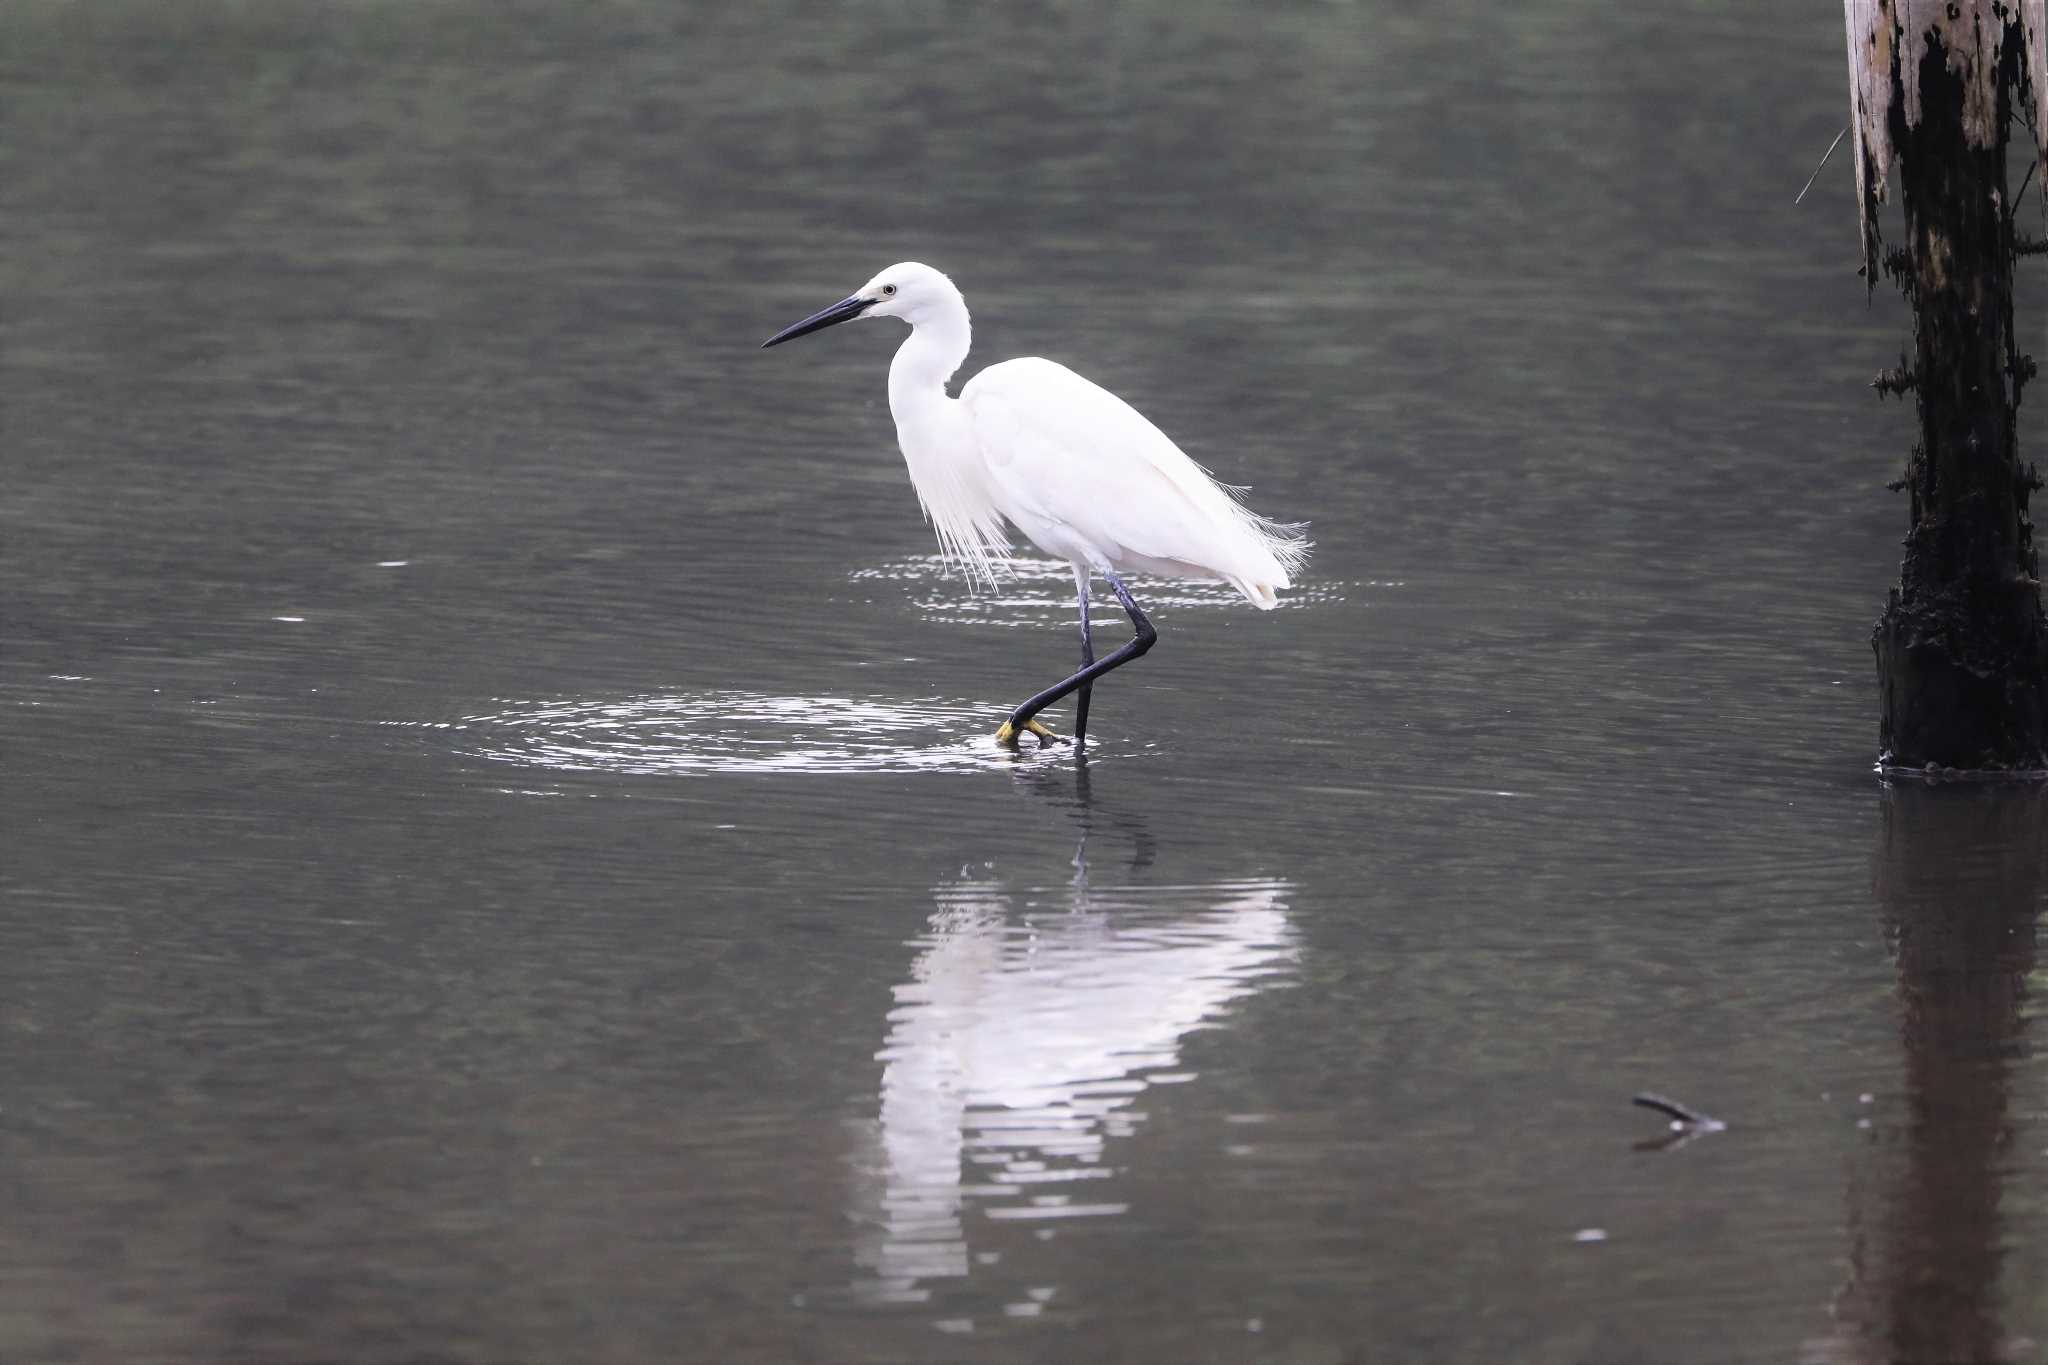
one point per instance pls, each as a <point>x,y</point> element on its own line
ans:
<point>1081,467</point>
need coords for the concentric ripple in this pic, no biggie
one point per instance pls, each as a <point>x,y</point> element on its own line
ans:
<point>734,732</point>
<point>1033,589</point>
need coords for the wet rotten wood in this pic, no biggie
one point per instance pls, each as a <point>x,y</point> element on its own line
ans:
<point>1962,647</point>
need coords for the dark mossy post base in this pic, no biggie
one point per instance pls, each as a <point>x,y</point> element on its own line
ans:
<point>1962,647</point>
<point>1953,696</point>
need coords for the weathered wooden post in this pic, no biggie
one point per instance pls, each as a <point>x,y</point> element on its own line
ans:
<point>1962,647</point>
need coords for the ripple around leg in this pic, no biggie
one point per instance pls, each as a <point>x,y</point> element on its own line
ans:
<point>1032,591</point>
<point>739,732</point>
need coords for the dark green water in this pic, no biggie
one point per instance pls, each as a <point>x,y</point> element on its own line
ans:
<point>502,857</point>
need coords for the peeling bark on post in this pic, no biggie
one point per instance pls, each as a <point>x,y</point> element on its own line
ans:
<point>1962,647</point>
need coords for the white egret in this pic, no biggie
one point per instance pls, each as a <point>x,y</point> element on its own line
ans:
<point>1080,472</point>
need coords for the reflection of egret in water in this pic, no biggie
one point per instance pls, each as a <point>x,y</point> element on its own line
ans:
<point>1048,784</point>
<point>1032,1021</point>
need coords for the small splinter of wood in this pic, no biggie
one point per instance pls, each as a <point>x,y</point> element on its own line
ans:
<point>1691,1118</point>
<point>1823,163</point>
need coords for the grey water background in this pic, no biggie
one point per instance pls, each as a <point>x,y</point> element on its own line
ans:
<point>503,859</point>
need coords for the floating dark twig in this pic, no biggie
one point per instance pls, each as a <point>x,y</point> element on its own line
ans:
<point>1691,1118</point>
<point>1687,1123</point>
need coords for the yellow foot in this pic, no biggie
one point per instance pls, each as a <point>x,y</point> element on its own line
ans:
<point>1009,735</point>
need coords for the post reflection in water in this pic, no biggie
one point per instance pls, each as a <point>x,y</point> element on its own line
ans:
<point>1032,1021</point>
<point>1959,877</point>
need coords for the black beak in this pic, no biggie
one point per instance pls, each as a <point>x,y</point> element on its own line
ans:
<point>842,311</point>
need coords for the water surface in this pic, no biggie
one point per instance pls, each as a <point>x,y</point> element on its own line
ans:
<point>504,855</point>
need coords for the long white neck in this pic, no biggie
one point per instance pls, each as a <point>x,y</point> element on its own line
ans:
<point>938,442</point>
<point>937,343</point>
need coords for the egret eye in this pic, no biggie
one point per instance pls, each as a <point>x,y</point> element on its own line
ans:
<point>888,289</point>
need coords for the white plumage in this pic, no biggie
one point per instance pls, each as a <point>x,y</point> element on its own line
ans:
<point>1087,479</point>
<point>1082,474</point>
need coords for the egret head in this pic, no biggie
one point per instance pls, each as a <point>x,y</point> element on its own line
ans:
<point>909,291</point>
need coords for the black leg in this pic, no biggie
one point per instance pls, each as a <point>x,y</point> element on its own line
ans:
<point>1020,719</point>
<point>1081,577</point>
